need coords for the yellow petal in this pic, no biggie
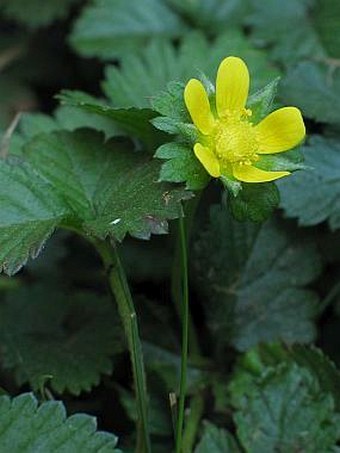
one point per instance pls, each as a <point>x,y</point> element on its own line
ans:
<point>280,131</point>
<point>197,102</point>
<point>208,160</point>
<point>232,85</point>
<point>248,173</point>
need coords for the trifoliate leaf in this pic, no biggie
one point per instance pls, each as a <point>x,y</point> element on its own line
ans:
<point>32,428</point>
<point>64,340</point>
<point>34,13</point>
<point>216,440</point>
<point>315,89</point>
<point>313,196</point>
<point>111,28</point>
<point>253,280</point>
<point>269,25</point>
<point>286,410</point>
<point>133,121</point>
<point>139,79</point>
<point>182,166</point>
<point>100,188</point>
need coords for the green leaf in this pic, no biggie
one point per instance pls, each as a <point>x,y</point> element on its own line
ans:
<point>252,279</point>
<point>101,189</point>
<point>313,196</point>
<point>315,89</point>
<point>67,340</point>
<point>212,15</point>
<point>254,202</point>
<point>182,166</point>
<point>139,79</point>
<point>253,380</point>
<point>269,23</point>
<point>285,410</point>
<point>111,28</point>
<point>30,211</point>
<point>326,20</point>
<point>216,440</point>
<point>34,13</point>
<point>133,121</point>
<point>29,428</point>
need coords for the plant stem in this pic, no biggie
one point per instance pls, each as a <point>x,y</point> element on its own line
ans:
<point>192,422</point>
<point>177,278</point>
<point>120,289</point>
<point>185,335</point>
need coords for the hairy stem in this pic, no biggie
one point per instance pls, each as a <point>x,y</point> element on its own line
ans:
<point>120,289</point>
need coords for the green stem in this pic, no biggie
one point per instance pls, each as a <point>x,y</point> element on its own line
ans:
<point>192,422</point>
<point>120,289</point>
<point>177,278</point>
<point>185,336</point>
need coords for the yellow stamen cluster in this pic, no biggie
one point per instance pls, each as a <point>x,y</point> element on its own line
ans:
<point>234,140</point>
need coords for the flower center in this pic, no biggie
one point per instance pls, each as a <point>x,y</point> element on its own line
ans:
<point>235,139</point>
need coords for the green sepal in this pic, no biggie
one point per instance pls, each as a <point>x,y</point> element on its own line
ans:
<point>255,202</point>
<point>187,132</point>
<point>181,166</point>
<point>232,185</point>
<point>288,161</point>
<point>170,103</point>
<point>261,102</point>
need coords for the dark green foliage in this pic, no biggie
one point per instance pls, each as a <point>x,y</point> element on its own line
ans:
<point>31,428</point>
<point>110,161</point>
<point>253,281</point>
<point>64,340</point>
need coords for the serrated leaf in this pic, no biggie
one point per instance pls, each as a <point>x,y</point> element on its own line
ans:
<point>30,211</point>
<point>182,166</point>
<point>254,202</point>
<point>101,188</point>
<point>133,121</point>
<point>269,24</point>
<point>34,13</point>
<point>313,196</point>
<point>285,410</point>
<point>111,28</point>
<point>31,428</point>
<point>139,79</point>
<point>212,15</point>
<point>285,383</point>
<point>315,89</point>
<point>64,340</point>
<point>253,280</point>
<point>216,440</point>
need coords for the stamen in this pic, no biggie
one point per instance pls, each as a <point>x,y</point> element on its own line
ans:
<point>234,139</point>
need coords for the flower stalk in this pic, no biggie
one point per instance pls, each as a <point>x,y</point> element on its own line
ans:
<point>185,335</point>
<point>120,289</point>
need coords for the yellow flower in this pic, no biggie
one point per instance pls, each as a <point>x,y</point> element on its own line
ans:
<point>229,143</point>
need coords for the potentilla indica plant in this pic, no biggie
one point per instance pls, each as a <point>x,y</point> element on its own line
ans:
<point>232,140</point>
<point>103,189</point>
